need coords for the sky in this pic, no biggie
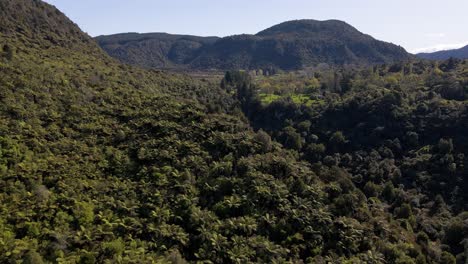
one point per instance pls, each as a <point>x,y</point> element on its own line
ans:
<point>416,25</point>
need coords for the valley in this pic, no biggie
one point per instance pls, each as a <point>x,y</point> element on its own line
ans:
<point>309,142</point>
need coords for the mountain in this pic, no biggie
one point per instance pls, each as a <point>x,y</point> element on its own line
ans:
<point>42,25</point>
<point>461,53</point>
<point>154,50</point>
<point>290,45</point>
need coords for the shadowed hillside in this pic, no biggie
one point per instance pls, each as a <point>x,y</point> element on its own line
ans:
<point>290,45</point>
<point>154,50</point>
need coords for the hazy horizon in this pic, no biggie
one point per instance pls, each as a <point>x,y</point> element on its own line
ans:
<point>412,25</point>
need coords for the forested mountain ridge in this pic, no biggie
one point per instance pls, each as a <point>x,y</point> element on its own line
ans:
<point>154,50</point>
<point>42,25</point>
<point>461,53</point>
<point>290,45</point>
<point>106,163</point>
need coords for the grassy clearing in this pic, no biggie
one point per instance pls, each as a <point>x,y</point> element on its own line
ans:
<point>268,98</point>
<point>300,99</point>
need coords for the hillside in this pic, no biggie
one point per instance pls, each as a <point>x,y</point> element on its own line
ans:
<point>461,53</point>
<point>398,130</point>
<point>102,162</point>
<point>290,45</point>
<point>154,50</point>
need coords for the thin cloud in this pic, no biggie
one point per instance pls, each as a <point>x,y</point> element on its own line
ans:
<point>440,47</point>
<point>435,35</point>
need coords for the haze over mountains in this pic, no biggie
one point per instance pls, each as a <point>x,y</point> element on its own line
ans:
<point>461,53</point>
<point>289,45</point>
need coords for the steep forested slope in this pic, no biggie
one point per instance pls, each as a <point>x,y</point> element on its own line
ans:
<point>290,45</point>
<point>398,130</point>
<point>106,163</point>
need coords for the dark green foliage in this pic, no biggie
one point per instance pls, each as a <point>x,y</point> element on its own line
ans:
<point>264,139</point>
<point>107,163</point>
<point>372,190</point>
<point>404,211</point>
<point>448,258</point>
<point>445,146</point>
<point>32,258</point>
<point>388,192</point>
<point>290,45</point>
<point>154,50</point>
<point>8,52</point>
<point>400,137</point>
<point>456,233</point>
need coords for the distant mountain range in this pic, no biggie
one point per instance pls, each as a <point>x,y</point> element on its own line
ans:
<point>461,53</point>
<point>289,45</point>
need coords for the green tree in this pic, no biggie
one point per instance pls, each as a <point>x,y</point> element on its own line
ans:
<point>8,52</point>
<point>445,146</point>
<point>291,138</point>
<point>33,257</point>
<point>84,213</point>
<point>447,258</point>
<point>264,139</point>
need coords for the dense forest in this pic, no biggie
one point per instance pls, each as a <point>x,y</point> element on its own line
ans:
<point>102,162</point>
<point>396,132</point>
<point>288,46</point>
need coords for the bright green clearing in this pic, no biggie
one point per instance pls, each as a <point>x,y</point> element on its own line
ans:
<point>300,99</point>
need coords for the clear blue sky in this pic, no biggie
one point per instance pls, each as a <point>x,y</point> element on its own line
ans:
<point>414,24</point>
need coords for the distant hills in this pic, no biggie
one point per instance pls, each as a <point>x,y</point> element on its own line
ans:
<point>461,53</point>
<point>154,50</point>
<point>289,45</point>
